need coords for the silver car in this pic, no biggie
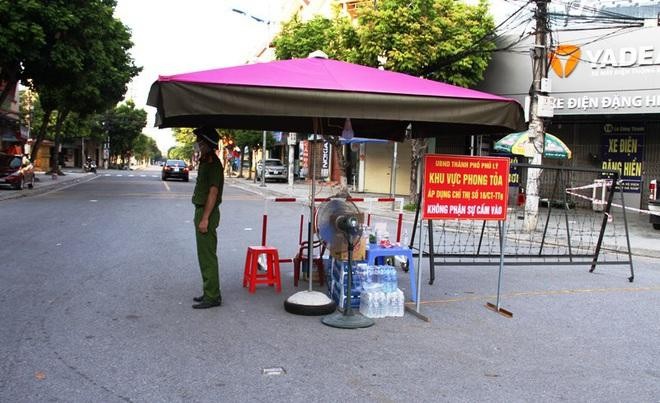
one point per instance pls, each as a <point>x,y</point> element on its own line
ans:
<point>274,170</point>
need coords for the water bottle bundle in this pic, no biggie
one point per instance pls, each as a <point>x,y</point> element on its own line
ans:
<point>374,289</point>
<point>380,296</point>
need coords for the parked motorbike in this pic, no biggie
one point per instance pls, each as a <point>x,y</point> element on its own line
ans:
<point>90,166</point>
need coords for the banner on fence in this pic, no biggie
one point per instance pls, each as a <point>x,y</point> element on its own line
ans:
<point>623,150</point>
<point>464,187</point>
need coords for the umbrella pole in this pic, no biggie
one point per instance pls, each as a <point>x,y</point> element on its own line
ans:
<point>312,206</point>
<point>310,302</point>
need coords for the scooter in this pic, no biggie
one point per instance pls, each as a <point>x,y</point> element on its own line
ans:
<point>90,166</point>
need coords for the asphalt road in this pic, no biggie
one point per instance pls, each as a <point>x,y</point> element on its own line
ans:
<point>97,280</point>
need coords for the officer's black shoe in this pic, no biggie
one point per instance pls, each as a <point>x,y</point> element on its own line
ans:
<point>208,304</point>
<point>199,299</point>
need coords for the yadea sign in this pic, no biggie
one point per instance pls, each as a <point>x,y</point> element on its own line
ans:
<point>566,58</point>
<point>463,187</point>
<point>623,57</point>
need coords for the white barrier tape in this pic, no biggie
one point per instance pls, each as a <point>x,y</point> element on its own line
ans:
<point>601,184</point>
<point>591,186</point>
<point>613,204</point>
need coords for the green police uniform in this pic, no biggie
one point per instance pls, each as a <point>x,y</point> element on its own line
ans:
<point>209,174</point>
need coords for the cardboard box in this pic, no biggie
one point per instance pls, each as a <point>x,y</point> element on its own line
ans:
<point>340,251</point>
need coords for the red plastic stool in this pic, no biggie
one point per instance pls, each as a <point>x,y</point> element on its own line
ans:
<point>271,277</point>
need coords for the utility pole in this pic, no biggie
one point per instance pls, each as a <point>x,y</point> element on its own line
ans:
<point>536,125</point>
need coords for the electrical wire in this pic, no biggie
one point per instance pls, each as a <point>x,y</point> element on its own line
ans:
<point>472,49</point>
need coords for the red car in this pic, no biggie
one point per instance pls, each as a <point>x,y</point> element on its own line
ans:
<point>16,171</point>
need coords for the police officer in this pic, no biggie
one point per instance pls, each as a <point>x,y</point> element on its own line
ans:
<point>207,197</point>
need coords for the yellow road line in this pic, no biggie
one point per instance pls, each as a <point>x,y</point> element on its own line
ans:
<point>539,293</point>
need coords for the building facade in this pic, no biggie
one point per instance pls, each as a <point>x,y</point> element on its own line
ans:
<point>605,86</point>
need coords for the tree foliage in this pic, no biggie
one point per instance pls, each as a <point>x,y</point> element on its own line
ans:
<point>145,148</point>
<point>52,44</point>
<point>185,141</point>
<point>251,139</point>
<point>75,54</point>
<point>444,40</point>
<point>123,125</point>
<point>336,37</point>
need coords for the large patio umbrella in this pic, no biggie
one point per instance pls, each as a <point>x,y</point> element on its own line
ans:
<point>514,143</point>
<point>287,95</point>
<point>317,96</point>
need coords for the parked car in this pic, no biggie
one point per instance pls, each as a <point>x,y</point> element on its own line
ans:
<point>175,169</point>
<point>654,204</point>
<point>274,170</point>
<point>16,171</point>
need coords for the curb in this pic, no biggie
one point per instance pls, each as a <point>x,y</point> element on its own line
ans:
<point>47,187</point>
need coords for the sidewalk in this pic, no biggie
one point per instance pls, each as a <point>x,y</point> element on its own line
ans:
<point>45,183</point>
<point>644,240</point>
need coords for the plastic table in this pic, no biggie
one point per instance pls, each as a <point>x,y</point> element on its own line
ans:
<point>375,251</point>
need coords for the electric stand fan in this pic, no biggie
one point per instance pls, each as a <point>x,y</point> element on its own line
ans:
<point>340,221</point>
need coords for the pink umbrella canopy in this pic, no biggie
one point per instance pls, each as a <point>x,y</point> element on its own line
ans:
<point>289,95</point>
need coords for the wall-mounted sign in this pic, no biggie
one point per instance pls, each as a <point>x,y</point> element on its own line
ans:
<point>617,74</point>
<point>464,187</point>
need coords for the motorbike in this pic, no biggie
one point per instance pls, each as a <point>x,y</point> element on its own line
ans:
<point>90,166</point>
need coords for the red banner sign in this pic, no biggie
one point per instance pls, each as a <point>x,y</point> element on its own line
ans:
<point>464,187</point>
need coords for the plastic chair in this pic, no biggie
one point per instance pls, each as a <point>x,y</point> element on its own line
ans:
<point>318,250</point>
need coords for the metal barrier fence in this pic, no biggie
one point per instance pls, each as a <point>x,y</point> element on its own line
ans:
<point>577,224</point>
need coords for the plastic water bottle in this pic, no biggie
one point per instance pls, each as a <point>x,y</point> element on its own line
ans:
<point>393,303</point>
<point>395,280</point>
<point>382,301</point>
<point>391,279</point>
<point>400,303</point>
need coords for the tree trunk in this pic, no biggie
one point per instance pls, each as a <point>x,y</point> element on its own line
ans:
<point>417,150</point>
<point>61,116</point>
<point>9,88</point>
<point>41,135</point>
<point>250,161</point>
<point>338,149</point>
<point>241,159</point>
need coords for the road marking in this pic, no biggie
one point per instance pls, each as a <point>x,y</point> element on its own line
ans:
<point>143,176</point>
<point>167,186</point>
<point>107,175</point>
<point>539,293</point>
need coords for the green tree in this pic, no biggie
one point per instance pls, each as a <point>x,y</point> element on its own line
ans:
<point>253,140</point>
<point>437,39</point>
<point>336,37</point>
<point>123,125</point>
<point>145,148</point>
<point>74,53</point>
<point>185,142</point>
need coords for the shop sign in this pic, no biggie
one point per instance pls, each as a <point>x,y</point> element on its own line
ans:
<point>623,151</point>
<point>608,103</point>
<point>325,160</point>
<point>617,74</point>
<point>464,187</point>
